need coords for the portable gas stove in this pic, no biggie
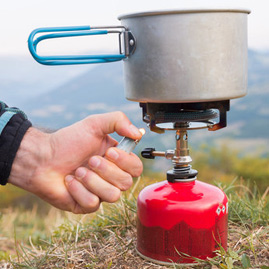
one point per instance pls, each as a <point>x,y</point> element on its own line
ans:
<point>181,219</point>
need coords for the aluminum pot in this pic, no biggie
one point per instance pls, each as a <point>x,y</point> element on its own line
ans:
<point>187,56</point>
<point>175,56</point>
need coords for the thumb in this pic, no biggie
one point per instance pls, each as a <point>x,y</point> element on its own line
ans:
<point>108,123</point>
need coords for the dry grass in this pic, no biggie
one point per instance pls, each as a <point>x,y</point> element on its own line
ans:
<point>107,239</point>
<point>254,243</point>
<point>117,251</point>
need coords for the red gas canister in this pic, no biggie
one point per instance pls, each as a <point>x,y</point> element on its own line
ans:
<point>177,218</point>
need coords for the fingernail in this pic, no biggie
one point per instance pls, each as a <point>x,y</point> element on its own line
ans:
<point>112,154</point>
<point>80,173</point>
<point>134,130</point>
<point>68,179</point>
<point>94,162</point>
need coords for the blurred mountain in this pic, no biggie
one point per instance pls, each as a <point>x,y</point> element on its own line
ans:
<point>99,90</point>
<point>64,95</point>
<point>22,78</point>
<point>252,111</point>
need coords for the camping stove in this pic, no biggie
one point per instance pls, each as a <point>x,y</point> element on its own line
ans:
<point>181,219</point>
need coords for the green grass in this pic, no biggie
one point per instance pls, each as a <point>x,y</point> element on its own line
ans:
<point>107,238</point>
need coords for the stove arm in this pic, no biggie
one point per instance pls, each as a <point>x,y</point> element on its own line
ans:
<point>151,110</point>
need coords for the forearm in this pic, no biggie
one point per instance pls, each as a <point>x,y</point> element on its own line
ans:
<point>32,155</point>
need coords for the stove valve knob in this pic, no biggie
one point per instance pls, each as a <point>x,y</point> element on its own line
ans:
<point>147,153</point>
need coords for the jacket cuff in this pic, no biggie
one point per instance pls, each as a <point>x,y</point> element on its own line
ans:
<point>13,126</point>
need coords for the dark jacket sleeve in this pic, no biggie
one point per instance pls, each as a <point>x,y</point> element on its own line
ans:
<point>13,126</point>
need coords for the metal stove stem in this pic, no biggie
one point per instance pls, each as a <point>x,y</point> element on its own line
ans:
<point>182,156</point>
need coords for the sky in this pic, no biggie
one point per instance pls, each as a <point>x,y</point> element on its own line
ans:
<point>18,18</point>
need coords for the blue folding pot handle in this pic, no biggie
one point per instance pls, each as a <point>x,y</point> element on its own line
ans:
<point>59,32</point>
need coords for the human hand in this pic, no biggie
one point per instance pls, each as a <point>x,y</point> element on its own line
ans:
<point>77,167</point>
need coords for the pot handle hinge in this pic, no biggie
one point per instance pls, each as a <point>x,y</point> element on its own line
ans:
<point>127,44</point>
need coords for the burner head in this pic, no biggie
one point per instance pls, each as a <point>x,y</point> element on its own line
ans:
<point>174,116</point>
